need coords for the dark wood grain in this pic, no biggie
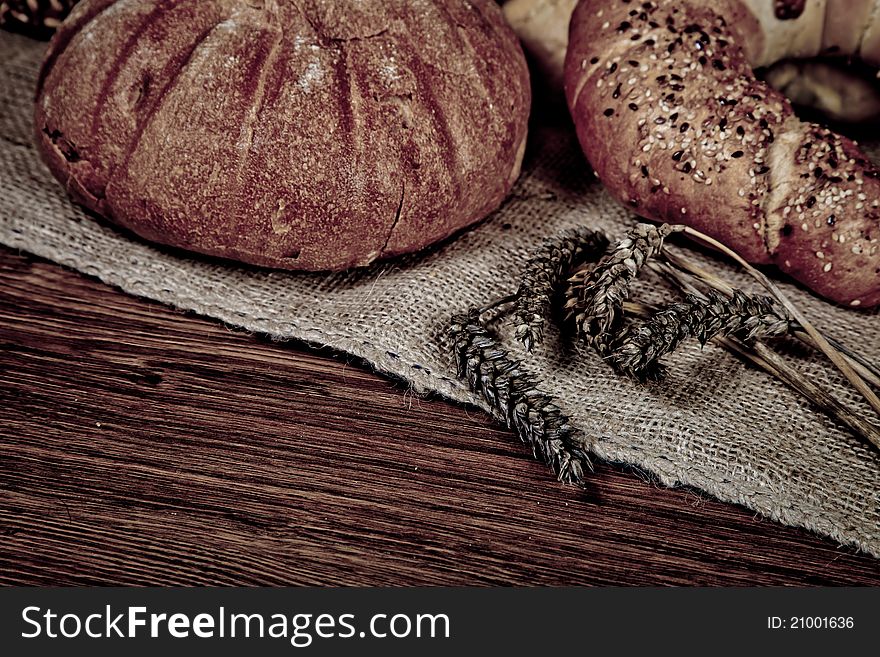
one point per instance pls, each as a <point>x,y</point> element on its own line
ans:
<point>141,445</point>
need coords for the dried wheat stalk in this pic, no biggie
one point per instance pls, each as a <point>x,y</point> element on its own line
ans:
<point>747,317</point>
<point>821,342</point>
<point>596,296</point>
<point>683,272</point>
<point>596,299</point>
<point>544,274</point>
<point>514,397</point>
<point>768,360</point>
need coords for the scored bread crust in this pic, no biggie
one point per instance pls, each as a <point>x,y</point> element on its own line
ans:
<point>674,122</point>
<point>309,134</point>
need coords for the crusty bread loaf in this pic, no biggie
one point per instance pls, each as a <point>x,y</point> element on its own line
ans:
<point>801,29</point>
<point>312,135</point>
<point>676,125</point>
<point>828,86</point>
<point>543,27</point>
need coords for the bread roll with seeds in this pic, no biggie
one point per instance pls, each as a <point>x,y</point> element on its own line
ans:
<point>314,135</point>
<point>37,18</point>
<point>672,118</point>
<point>827,85</point>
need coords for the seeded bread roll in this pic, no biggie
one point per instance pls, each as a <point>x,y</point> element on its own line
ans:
<point>37,18</point>
<point>673,120</point>
<point>313,135</point>
<point>828,85</point>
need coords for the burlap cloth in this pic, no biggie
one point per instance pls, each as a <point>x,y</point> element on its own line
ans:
<point>713,423</point>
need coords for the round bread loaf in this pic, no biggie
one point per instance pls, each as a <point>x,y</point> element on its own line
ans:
<point>311,135</point>
<point>672,118</point>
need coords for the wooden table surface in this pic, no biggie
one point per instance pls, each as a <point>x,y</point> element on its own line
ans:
<point>141,445</point>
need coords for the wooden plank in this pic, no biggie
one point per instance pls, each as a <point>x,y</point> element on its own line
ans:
<point>141,445</point>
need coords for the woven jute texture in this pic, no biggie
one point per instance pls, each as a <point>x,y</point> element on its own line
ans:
<point>713,423</point>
